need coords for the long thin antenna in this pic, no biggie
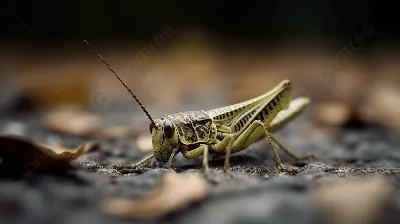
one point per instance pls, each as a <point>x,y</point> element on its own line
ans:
<point>123,83</point>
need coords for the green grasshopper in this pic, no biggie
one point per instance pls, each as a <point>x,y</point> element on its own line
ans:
<point>224,130</point>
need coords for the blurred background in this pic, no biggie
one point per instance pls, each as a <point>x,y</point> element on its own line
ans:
<point>183,55</point>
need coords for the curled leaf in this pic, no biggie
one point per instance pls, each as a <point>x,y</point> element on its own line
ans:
<point>336,114</point>
<point>333,113</point>
<point>119,132</point>
<point>21,156</point>
<point>354,201</point>
<point>382,106</point>
<point>174,193</point>
<point>73,121</point>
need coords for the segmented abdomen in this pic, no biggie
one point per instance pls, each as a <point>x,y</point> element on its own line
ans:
<point>226,115</point>
<point>264,113</point>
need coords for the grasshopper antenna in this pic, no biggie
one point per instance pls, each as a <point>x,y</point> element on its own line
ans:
<point>123,83</point>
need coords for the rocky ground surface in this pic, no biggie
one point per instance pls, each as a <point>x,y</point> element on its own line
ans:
<point>257,193</point>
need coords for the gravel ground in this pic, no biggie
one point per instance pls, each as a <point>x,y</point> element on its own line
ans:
<point>257,193</point>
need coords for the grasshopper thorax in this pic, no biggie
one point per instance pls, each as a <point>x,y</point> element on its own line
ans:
<point>176,130</point>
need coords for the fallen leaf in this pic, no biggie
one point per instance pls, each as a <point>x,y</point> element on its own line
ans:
<point>119,132</point>
<point>73,121</point>
<point>91,147</point>
<point>354,201</point>
<point>21,156</point>
<point>338,114</point>
<point>174,193</point>
<point>317,132</point>
<point>383,105</point>
<point>144,143</point>
<point>350,82</point>
<point>332,113</point>
<point>70,86</point>
<point>87,147</point>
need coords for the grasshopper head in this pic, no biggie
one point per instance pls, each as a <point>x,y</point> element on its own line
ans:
<point>164,138</point>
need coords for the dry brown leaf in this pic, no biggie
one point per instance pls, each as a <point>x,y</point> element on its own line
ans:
<point>354,201</point>
<point>317,132</point>
<point>70,86</point>
<point>91,147</point>
<point>333,113</point>
<point>144,143</point>
<point>22,156</point>
<point>383,106</point>
<point>336,114</point>
<point>350,82</point>
<point>73,121</point>
<point>174,193</point>
<point>119,132</point>
<point>87,148</point>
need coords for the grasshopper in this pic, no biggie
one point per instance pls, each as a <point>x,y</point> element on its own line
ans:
<point>224,130</point>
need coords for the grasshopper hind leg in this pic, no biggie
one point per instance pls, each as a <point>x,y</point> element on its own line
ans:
<point>290,152</point>
<point>279,164</point>
<point>252,134</point>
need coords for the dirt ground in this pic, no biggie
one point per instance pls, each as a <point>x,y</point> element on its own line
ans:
<point>353,133</point>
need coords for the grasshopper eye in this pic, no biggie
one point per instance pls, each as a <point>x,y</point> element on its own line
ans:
<point>169,129</point>
<point>151,127</point>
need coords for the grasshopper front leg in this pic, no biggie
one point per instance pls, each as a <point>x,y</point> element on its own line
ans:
<point>202,149</point>
<point>171,157</point>
<point>129,166</point>
<point>146,161</point>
